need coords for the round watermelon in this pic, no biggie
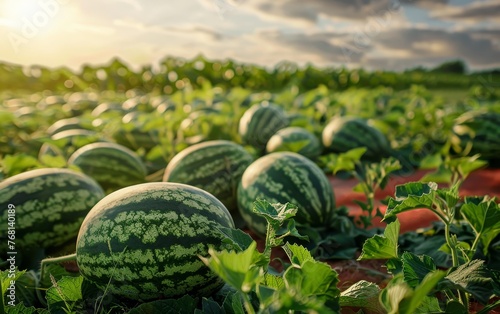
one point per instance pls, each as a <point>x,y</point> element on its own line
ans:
<point>287,177</point>
<point>297,140</point>
<point>143,242</point>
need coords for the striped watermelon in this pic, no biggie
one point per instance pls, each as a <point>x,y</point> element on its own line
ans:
<point>297,140</point>
<point>287,177</point>
<point>143,242</point>
<point>112,165</point>
<point>478,133</point>
<point>65,124</point>
<point>260,122</point>
<point>342,134</point>
<point>213,166</point>
<point>50,205</point>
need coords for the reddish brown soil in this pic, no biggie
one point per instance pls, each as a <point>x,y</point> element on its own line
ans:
<point>480,182</point>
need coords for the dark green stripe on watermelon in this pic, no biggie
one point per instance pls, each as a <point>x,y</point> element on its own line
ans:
<point>287,177</point>
<point>50,206</point>
<point>112,165</point>
<point>342,134</point>
<point>145,240</point>
<point>213,166</point>
<point>260,122</point>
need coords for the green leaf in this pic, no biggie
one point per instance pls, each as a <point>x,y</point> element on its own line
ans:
<point>275,214</point>
<point>233,304</point>
<point>382,247</point>
<point>431,161</point>
<point>441,175</point>
<point>273,281</point>
<point>466,165</point>
<point>315,280</point>
<point>484,218</point>
<point>474,278</point>
<point>9,279</point>
<point>399,297</point>
<point>237,269</point>
<point>455,307</point>
<point>64,294</point>
<point>346,161</point>
<point>20,308</point>
<point>15,164</point>
<point>411,196</point>
<point>53,161</point>
<point>237,238</point>
<point>415,268</point>
<point>362,294</point>
<point>211,307</point>
<point>297,254</point>
<point>183,305</point>
<point>25,288</point>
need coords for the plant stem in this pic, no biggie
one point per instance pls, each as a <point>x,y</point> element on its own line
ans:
<point>453,249</point>
<point>248,304</point>
<point>2,305</point>
<point>56,260</point>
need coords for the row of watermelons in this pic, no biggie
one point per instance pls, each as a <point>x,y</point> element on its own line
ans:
<point>147,237</point>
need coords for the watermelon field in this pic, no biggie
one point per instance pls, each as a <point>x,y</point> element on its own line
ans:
<point>212,186</point>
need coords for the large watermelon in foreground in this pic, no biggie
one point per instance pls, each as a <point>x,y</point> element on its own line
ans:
<point>143,242</point>
<point>50,205</point>
<point>342,134</point>
<point>213,166</point>
<point>287,177</point>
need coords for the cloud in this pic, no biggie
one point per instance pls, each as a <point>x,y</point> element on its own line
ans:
<point>133,3</point>
<point>199,30</point>
<point>310,11</point>
<point>324,47</point>
<point>474,12</point>
<point>426,46</point>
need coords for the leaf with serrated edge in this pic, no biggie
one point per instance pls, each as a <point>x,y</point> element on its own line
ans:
<point>237,238</point>
<point>362,294</point>
<point>474,278</point>
<point>382,247</point>
<point>415,268</point>
<point>410,196</point>
<point>484,218</point>
<point>236,268</point>
<point>297,253</point>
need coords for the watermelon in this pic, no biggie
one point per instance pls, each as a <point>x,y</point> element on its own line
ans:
<point>50,205</point>
<point>477,132</point>
<point>342,134</point>
<point>112,165</point>
<point>213,166</point>
<point>297,140</point>
<point>143,242</point>
<point>65,124</point>
<point>67,142</point>
<point>260,122</point>
<point>283,177</point>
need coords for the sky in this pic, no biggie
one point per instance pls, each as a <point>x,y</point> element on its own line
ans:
<point>373,34</point>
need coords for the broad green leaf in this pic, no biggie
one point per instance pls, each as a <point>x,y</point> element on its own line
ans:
<point>382,247</point>
<point>275,214</point>
<point>20,308</point>
<point>474,278</point>
<point>466,165</point>
<point>233,304</point>
<point>238,239</point>
<point>9,279</point>
<point>26,288</point>
<point>273,281</point>
<point>297,254</point>
<point>399,297</point>
<point>183,305</point>
<point>419,296</point>
<point>15,164</point>
<point>237,269</point>
<point>394,293</point>
<point>53,161</point>
<point>362,294</point>
<point>431,161</point>
<point>410,196</point>
<point>65,294</point>
<point>415,268</point>
<point>441,175</point>
<point>209,306</point>
<point>484,218</point>
<point>313,279</point>
<point>455,307</point>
